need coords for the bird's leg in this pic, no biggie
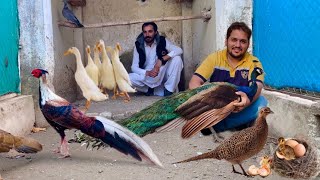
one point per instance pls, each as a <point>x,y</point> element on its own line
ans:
<point>121,94</point>
<point>244,172</point>
<point>58,150</point>
<point>216,137</point>
<point>88,103</point>
<point>115,92</point>
<point>64,149</point>
<point>127,99</point>
<point>234,170</point>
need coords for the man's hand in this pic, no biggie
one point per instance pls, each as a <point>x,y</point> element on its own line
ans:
<point>245,102</point>
<point>155,71</point>
<point>157,65</point>
<point>151,73</point>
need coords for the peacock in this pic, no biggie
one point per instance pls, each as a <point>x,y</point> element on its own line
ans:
<point>209,96</point>
<point>199,108</point>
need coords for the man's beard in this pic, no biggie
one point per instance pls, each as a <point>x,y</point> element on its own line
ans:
<point>148,39</point>
<point>239,57</point>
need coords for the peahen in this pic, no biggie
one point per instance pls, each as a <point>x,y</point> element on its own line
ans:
<point>201,103</point>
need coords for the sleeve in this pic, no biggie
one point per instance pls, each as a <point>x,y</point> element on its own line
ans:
<point>256,63</point>
<point>173,49</point>
<point>206,68</point>
<point>135,63</point>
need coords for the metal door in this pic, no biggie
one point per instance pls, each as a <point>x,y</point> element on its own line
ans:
<point>9,45</point>
<point>286,40</point>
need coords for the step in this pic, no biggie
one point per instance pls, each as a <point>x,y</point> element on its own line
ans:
<point>17,114</point>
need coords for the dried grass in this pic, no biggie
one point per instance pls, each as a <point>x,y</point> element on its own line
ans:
<point>304,167</point>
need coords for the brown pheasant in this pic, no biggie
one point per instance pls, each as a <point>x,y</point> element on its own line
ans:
<point>241,145</point>
<point>20,144</point>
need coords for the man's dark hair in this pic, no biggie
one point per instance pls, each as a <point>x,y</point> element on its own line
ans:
<point>154,25</point>
<point>239,26</point>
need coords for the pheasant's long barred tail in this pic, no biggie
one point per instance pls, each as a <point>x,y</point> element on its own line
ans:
<point>207,155</point>
<point>143,149</point>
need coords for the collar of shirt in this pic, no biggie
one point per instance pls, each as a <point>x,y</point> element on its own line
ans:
<point>153,44</point>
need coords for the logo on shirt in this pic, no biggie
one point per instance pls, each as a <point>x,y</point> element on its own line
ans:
<point>244,74</point>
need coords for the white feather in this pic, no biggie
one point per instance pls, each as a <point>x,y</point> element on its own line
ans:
<point>47,94</point>
<point>112,127</point>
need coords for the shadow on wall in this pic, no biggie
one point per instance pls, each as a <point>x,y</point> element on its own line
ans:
<point>126,59</point>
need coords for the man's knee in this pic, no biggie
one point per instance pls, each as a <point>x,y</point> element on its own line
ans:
<point>176,62</point>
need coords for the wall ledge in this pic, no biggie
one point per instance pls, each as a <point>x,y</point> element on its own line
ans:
<point>17,114</point>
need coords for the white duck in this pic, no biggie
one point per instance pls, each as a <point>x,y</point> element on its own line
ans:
<point>121,74</point>
<point>91,68</point>
<point>89,90</point>
<point>96,59</point>
<point>107,73</point>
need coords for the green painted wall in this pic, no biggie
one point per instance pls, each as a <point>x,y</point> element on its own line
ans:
<point>9,44</point>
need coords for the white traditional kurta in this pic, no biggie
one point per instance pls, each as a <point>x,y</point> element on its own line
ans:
<point>169,75</point>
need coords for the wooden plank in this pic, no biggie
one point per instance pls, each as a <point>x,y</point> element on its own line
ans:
<point>205,15</point>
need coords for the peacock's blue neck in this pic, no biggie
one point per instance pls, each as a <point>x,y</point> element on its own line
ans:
<point>249,90</point>
<point>253,89</point>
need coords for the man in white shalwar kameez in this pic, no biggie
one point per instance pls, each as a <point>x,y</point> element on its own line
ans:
<point>157,65</point>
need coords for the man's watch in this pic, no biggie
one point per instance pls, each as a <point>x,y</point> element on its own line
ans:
<point>162,61</point>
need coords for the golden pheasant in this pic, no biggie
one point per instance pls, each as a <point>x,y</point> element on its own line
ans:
<point>20,144</point>
<point>241,145</point>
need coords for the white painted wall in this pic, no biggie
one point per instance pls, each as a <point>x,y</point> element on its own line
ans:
<point>227,12</point>
<point>36,40</point>
<point>210,37</point>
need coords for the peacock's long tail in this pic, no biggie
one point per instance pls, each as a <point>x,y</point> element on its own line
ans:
<point>161,112</point>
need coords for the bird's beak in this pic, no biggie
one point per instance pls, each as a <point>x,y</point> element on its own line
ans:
<point>67,52</point>
<point>118,47</point>
<point>271,112</point>
<point>99,48</point>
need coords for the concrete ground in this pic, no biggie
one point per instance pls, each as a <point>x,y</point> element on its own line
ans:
<point>110,164</point>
